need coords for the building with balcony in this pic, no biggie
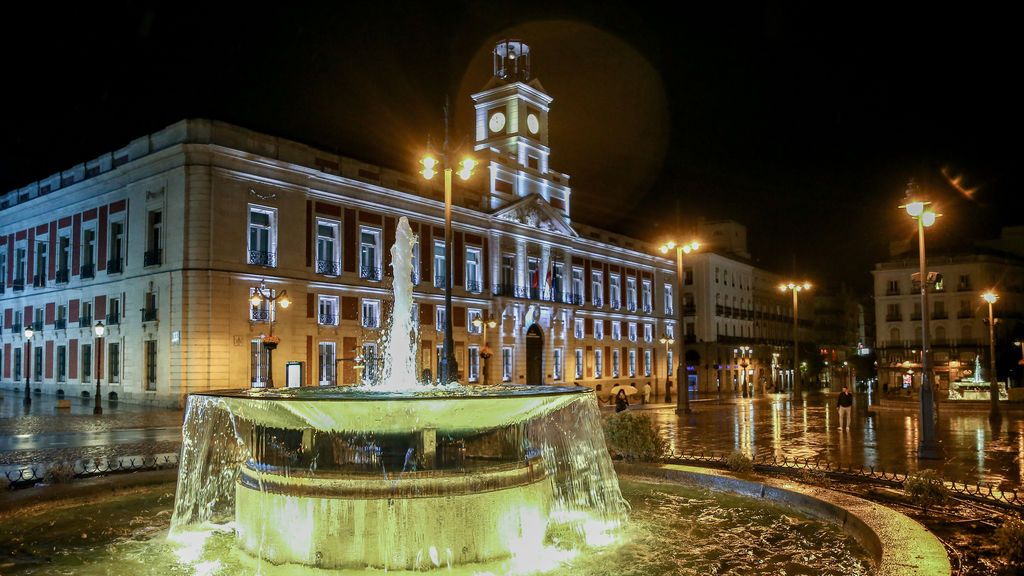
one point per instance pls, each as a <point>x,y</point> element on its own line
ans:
<point>958,316</point>
<point>166,239</point>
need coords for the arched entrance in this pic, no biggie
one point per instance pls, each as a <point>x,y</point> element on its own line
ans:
<point>534,355</point>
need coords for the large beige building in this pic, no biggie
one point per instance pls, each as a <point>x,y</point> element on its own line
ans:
<point>165,240</point>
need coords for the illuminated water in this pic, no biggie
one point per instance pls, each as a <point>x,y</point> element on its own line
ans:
<point>673,530</point>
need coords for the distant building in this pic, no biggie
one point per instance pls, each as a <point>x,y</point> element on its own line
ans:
<point>164,241</point>
<point>839,332</point>
<point>959,331</point>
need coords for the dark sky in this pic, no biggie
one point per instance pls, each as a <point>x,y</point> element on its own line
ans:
<point>803,122</point>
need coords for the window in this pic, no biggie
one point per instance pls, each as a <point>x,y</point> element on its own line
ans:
<point>264,311</point>
<point>369,254</point>
<point>964,283</point>
<point>327,364</point>
<point>647,298</point>
<point>669,303</point>
<point>893,287</point>
<point>577,286</point>
<point>86,350</point>
<point>328,254</point>
<point>150,352</point>
<point>579,363</point>
<point>369,362</point>
<point>62,363</point>
<point>716,274</point>
<point>632,363</point>
<point>38,324</point>
<point>88,266</point>
<point>577,328</point>
<point>115,260</point>
<point>557,367</point>
<point>616,362</point>
<point>631,294</point>
<point>632,331</point>
<point>615,291</point>
<point>439,266</point>
<point>598,362</point>
<point>599,329</point>
<point>328,310</point>
<point>85,314</point>
<point>371,313</point>
<point>113,311</point>
<point>670,331</point>
<point>471,315</point>
<point>149,312</point>
<point>670,366</point>
<point>597,288</point>
<point>688,276</point>
<point>41,265</point>
<point>892,312</point>
<point>473,363</point>
<point>113,363</point>
<point>3,270</point>
<point>648,360</point>
<point>616,330</point>
<point>416,263</point>
<point>558,279</point>
<point>257,364</point>
<point>439,318</point>
<point>506,364</point>
<point>154,244</point>
<point>474,269</point>
<point>17,364</point>
<point>20,264</point>
<point>262,236</point>
<point>648,333</point>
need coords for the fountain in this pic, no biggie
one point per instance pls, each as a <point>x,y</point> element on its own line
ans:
<point>396,474</point>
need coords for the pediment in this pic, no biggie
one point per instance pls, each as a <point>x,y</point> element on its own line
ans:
<point>534,211</point>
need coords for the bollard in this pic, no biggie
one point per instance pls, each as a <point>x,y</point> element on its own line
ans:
<point>64,405</point>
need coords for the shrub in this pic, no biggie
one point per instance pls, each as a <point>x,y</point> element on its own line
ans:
<point>633,436</point>
<point>925,488</point>
<point>1010,541</point>
<point>740,462</point>
<point>59,473</point>
<point>812,476</point>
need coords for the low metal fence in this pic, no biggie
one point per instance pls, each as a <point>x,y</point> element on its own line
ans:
<point>53,472</point>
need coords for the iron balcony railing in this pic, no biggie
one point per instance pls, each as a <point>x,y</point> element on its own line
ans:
<point>87,271</point>
<point>19,284</point>
<point>473,286</point>
<point>262,258</point>
<point>964,288</point>
<point>63,275</point>
<point>329,319</point>
<point>893,317</point>
<point>38,281</point>
<point>60,323</point>
<point>690,309</point>
<point>631,306</point>
<point>915,315</point>
<point>114,266</point>
<point>597,301</point>
<point>439,281</point>
<point>370,273</point>
<point>149,314</point>
<point>113,318</point>
<point>965,314</point>
<point>258,315</point>
<point>371,322</point>
<point>15,328</point>
<point>84,321</point>
<point>892,292</point>
<point>615,303</point>
<point>648,308</point>
<point>940,315</point>
<point>415,277</point>
<point>328,267</point>
<point>152,257</point>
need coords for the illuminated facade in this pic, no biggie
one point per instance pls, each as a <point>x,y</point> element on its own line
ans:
<point>959,331</point>
<point>165,239</point>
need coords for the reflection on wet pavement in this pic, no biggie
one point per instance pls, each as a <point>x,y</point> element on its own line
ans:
<point>777,425</point>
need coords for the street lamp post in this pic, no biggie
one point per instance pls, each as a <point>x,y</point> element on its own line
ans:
<point>744,361</point>
<point>28,363</point>
<point>449,366</point>
<point>668,342</point>
<point>993,387</point>
<point>683,388</point>
<point>260,295</point>
<point>918,209</point>
<point>99,329</point>
<point>485,352</point>
<point>796,288</point>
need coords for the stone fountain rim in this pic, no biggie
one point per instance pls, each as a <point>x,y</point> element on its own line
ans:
<point>897,544</point>
<point>368,394</point>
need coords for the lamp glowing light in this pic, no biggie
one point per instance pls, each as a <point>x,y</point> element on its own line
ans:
<point>256,299</point>
<point>928,218</point>
<point>990,297</point>
<point>285,301</point>
<point>915,208</point>
<point>99,329</point>
<point>429,163</point>
<point>466,168</point>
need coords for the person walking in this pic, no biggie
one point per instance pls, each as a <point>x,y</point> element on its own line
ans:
<point>845,404</point>
<point>621,402</point>
<point>647,393</point>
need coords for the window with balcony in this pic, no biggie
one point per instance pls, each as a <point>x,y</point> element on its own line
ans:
<point>964,283</point>
<point>439,266</point>
<point>965,311</point>
<point>18,363</point>
<point>632,363</point>
<point>647,297</point>
<point>265,310</point>
<point>579,363</point>
<point>616,362</point>
<point>20,267</point>
<point>113,311</point>
<point>115,259</point>
<point>369,254</point>
<point>615,291</point>
<point>327,364</point>
<point>597,288</point>
<point>506,364</point>
<point>85,314</point>
<point>86,367</point>
<point>262,236</point>
<point>439,318</point>
<point>37,364</point>
<point>473,314</point>
<point>113,363</point>
<point>558,279</point>
<point>61,321</point>
<point>648,362</point>
<point>631,294</point>
<point>671,362</point>
<point>149,312</point>
<point>154,239</point>
<point>474,270</point>
<point>616,330</point>
<point>598,362</point>
<point>893,288</point>
<point>62,363</point>
<point>37,325</point>
<point>473,363</point>
<point>42,261</point>
<point>556,367</point>
<point>632,331</point>
<point>327,310</point>
<point>371,313</point>
<point>599,329</point>
<point>328,252</point>
<point>87,269</point>
<point>576,297</point>
<point>648,333</point>
<point>669,303</point>
<point>63,258</point>
<point>577,328</point>
<point>939,310</point>
<point>892,313</point>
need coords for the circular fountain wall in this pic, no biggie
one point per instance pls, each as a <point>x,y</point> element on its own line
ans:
<point>356,477</point>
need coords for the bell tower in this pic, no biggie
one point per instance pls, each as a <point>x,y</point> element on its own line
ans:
<point>512,132</point>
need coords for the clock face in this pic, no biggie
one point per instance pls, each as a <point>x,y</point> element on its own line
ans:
<point>532,123</point>
<point>497,122</point>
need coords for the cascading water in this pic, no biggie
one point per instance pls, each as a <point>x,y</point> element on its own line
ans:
<point>399,475</point>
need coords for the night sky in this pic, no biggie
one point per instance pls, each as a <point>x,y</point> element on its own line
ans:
<point>804,123</point>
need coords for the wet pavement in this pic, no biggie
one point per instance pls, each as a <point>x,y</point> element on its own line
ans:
<point>776,425</point>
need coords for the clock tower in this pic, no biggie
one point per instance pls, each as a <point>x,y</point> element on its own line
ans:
<point>512,133</point>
